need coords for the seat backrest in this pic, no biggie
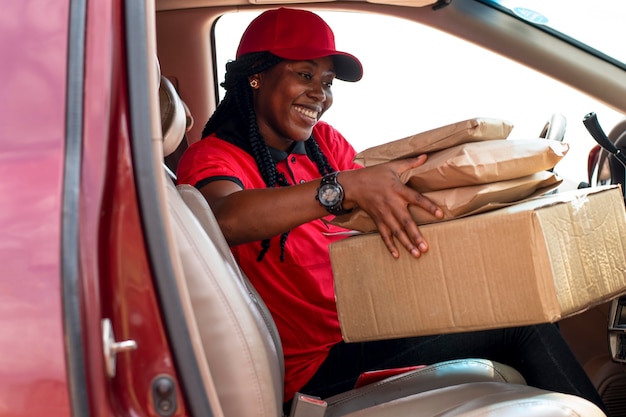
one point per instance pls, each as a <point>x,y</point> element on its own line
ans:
<point>201,210</point>
<point>238,337</point>
<point>241,354</point>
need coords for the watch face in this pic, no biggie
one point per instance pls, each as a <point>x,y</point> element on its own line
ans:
<point>329,195</point>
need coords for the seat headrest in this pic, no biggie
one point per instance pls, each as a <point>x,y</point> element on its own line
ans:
<point>176,119</point>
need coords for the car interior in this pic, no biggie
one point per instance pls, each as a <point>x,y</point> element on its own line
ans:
<point>230,356</point>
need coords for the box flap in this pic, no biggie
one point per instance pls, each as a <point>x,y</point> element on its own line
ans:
<point>598,265</point>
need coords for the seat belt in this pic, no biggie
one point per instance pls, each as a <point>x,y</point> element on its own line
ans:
<point>307,406</point>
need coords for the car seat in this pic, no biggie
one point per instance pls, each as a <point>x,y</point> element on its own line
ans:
<point>237,344</point>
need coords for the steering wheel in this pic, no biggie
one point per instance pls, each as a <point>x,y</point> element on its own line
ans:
<point>554,128</point>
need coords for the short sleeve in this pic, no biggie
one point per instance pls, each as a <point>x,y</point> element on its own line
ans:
<point>212,157</point>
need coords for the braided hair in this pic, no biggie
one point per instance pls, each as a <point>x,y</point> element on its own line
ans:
<point>238,103</point>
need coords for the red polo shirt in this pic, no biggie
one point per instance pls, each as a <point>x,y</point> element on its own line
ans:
<point>299,292</point>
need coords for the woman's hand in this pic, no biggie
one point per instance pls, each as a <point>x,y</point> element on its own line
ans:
<point>379,191</point>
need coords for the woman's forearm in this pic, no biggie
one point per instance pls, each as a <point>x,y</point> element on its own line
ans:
<point>251,215</point>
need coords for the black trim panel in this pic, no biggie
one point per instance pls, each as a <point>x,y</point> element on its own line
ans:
<point>77,379</point>
<point>151,215</point>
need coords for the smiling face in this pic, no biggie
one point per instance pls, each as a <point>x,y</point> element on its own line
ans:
<point>290,98</point>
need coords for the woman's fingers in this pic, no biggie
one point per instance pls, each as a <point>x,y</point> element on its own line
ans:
<point>414,197</point>
<point>387,238</point>
<point>419,200</point>
<point>380,191</point>
<point>401,165</point>
<point>401,227</point>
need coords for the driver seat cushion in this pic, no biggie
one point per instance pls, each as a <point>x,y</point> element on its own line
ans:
<point>484,399</point>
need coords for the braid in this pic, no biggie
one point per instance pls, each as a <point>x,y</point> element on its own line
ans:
<point>235,81</point>
<point>238,103</point>
<point>315,153</point>
<point>283,242</point>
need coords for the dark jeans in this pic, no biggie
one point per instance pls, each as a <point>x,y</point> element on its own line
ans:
<point>539,353</point>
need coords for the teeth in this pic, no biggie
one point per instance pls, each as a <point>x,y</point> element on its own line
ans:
<point>309,113</point>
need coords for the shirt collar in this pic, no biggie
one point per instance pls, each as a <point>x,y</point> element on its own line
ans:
<point>278,155</point>
<point>233,131</point>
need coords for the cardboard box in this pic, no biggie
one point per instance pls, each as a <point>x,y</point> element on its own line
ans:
<point>533,262</point>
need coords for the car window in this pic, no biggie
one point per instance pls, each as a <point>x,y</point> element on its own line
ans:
<point>597,26</point>
<point>417,78</point>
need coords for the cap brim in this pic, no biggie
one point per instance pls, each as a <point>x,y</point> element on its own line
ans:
<point>347,67</point>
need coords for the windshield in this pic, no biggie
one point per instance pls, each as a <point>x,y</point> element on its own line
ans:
<point>593,25</point>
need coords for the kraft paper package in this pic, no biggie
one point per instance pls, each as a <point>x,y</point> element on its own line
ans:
<point>471,130</point>
<point>472,167</point>
<point>464,201</point>
<point>484,162</point>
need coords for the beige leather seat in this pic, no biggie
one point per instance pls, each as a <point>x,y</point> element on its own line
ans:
<point>238,346</point>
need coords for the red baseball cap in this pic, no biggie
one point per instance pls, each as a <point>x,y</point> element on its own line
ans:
<point>297,35</point>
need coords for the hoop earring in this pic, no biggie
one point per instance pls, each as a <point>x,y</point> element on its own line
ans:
<point>254,83</point>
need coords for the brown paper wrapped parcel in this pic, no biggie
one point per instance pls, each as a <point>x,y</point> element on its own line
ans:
<point>472,167</point>
<point>471,130</point>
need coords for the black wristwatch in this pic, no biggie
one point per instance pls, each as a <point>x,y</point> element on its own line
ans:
<point>330,195</point>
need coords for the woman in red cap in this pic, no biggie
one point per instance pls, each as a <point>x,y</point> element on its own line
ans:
<point>272,172</point>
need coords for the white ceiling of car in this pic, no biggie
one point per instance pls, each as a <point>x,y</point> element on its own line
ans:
<point>185,4</point>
